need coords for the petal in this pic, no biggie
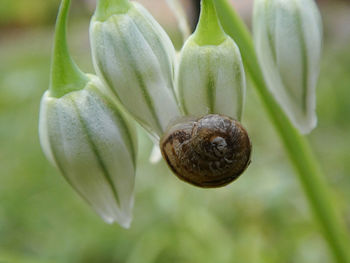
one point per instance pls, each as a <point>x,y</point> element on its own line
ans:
<point>211,79</point>
<point>288,40</point>
<point>135,58</point>
<point>94,148</point>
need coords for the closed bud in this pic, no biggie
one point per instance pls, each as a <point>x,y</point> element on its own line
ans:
<point>86,136</point>
<point>210,76</point>
<point>288,40</point>
<point>134,57</point>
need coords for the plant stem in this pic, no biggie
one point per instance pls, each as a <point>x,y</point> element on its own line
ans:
<point>297,147</point>
<point>209,30</point>
<point>65,74</point>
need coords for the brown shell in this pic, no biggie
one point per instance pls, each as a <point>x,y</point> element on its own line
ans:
<point>208,152</point>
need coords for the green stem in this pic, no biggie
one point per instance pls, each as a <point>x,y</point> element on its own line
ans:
<point>65,74</point>
<point>209,30</point>
<point>297,147</point>
<point>107,8</point>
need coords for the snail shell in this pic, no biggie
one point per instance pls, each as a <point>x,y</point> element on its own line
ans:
<point>211,151</point>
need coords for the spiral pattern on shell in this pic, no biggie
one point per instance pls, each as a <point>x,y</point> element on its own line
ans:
<point>211,151</point>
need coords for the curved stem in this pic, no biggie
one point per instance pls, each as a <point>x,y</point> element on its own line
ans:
<point>65,74</point>
<point>297,147</point>
<point>209,30</point>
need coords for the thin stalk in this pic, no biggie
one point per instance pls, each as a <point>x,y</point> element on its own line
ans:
<point>297,147</point>
<point>209,30</point>
<point>65,74</point>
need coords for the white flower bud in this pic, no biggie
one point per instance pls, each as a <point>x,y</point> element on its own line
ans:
<point>211,79</point>
<point>85,136</point>
<point>211,76</point>
<point>288,40</point>
<point>134,56</point>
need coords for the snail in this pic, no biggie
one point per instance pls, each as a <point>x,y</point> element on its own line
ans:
<point>210,151</point>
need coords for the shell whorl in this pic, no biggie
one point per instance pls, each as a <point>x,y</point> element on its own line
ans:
<point>211,151</point>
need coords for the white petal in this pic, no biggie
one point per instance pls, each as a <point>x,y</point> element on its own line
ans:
<point>288,40</point>
<point>155,155</point>
<point>211,79</point>
<point>135,58</point>
<point>92,145</point>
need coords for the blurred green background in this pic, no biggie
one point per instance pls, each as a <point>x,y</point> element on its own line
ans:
<point>262,217</point>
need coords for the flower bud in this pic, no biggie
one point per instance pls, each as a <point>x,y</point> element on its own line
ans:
<point>210,76</point>
<point>288,40</point>
<point>85,135</point>
<point>90,142</point>
<point>134,57</point>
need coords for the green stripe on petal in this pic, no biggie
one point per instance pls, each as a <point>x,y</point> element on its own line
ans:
<point>288,42</point>
<point>140,80</point>
<point>93,148</point>
<point>305,66</point>
<point>211,92</point>
<point>98,157</point>
<point>135,58</point>
<point>129,136</point>
<point>211,79</point>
